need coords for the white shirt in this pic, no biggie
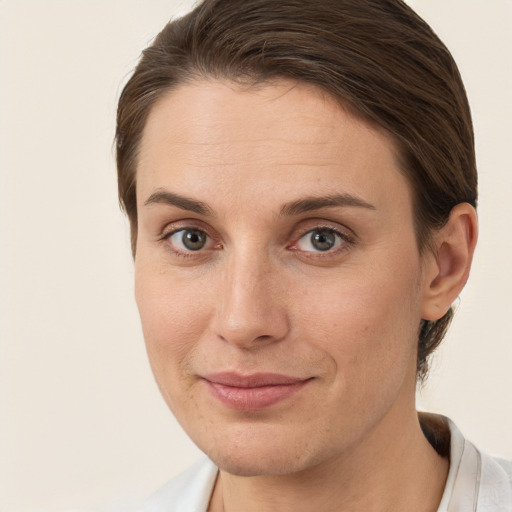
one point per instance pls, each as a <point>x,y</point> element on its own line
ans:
<point>476,483</point>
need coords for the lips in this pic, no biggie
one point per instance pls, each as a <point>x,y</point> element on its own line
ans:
<point>252,392</point>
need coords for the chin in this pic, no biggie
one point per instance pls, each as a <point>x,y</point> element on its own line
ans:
<point>261,451</point>
<point>257,464</point>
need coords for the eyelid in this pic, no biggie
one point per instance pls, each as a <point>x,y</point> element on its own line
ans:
<point>318,224</point>
<point>346,234</point>
<point>169,228</point>
<point>188,225</point>
<point>339,239</point>
<point>208,241</point>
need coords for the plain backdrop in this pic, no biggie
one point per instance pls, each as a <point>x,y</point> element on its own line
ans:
<point>82,425</point>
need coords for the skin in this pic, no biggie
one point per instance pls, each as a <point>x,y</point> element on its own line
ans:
<point>260,297</point>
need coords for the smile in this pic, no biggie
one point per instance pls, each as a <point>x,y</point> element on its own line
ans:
<point>252,392</point>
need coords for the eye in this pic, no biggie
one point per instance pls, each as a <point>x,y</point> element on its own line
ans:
<point>320,240</point>
<point>190,239</point>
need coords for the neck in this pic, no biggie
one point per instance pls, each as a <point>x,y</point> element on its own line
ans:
<point>393,468</point>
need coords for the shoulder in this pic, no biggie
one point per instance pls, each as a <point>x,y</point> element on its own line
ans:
<point>476,481</point>
<point>495,484</point>
<point>188,492</point>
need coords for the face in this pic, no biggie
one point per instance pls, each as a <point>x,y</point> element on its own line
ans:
<point>277,274</point>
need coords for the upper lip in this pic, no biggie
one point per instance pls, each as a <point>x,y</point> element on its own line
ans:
<point>254,380</point>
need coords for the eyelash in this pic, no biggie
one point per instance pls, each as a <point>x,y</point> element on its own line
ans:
<point>343,239</point>
<point>187,253</point>
<point>344,242</point>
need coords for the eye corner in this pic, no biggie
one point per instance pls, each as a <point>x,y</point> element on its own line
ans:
<point>331,242</point>
<point>188,241</point>
<point>321,239</point>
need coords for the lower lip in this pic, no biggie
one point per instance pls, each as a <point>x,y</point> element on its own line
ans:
<point>253,399</point>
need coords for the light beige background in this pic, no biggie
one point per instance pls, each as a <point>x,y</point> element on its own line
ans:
<point>81,421</point>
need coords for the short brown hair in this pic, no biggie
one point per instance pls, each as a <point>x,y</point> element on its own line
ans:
<point>377,56</point>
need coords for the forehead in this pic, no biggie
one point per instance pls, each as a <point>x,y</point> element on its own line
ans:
<point>283,137</point>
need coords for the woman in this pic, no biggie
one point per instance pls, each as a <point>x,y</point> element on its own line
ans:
<point>301,186</point>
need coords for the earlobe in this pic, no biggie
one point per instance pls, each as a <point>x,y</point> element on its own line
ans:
<point>447,266</point>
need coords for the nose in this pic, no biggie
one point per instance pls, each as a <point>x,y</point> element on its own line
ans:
<point>250,310</point>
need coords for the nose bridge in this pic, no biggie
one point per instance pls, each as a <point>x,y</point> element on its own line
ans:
<point>250,310</point>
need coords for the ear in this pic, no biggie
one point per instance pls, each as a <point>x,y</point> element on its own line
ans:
<point>447,264</point>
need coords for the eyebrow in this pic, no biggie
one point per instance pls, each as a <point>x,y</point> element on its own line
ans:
<point>297,207</point>
<point>182,202</point>
<point>308,204</point>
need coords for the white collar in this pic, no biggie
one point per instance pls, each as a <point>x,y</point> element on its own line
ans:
<point>476,482</point>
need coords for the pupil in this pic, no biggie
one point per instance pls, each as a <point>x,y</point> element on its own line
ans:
<point>323,240</point>
<point>194,240</point>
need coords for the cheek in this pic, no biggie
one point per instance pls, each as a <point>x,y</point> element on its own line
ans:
<point>174,318</point>
<point>367,325</point>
